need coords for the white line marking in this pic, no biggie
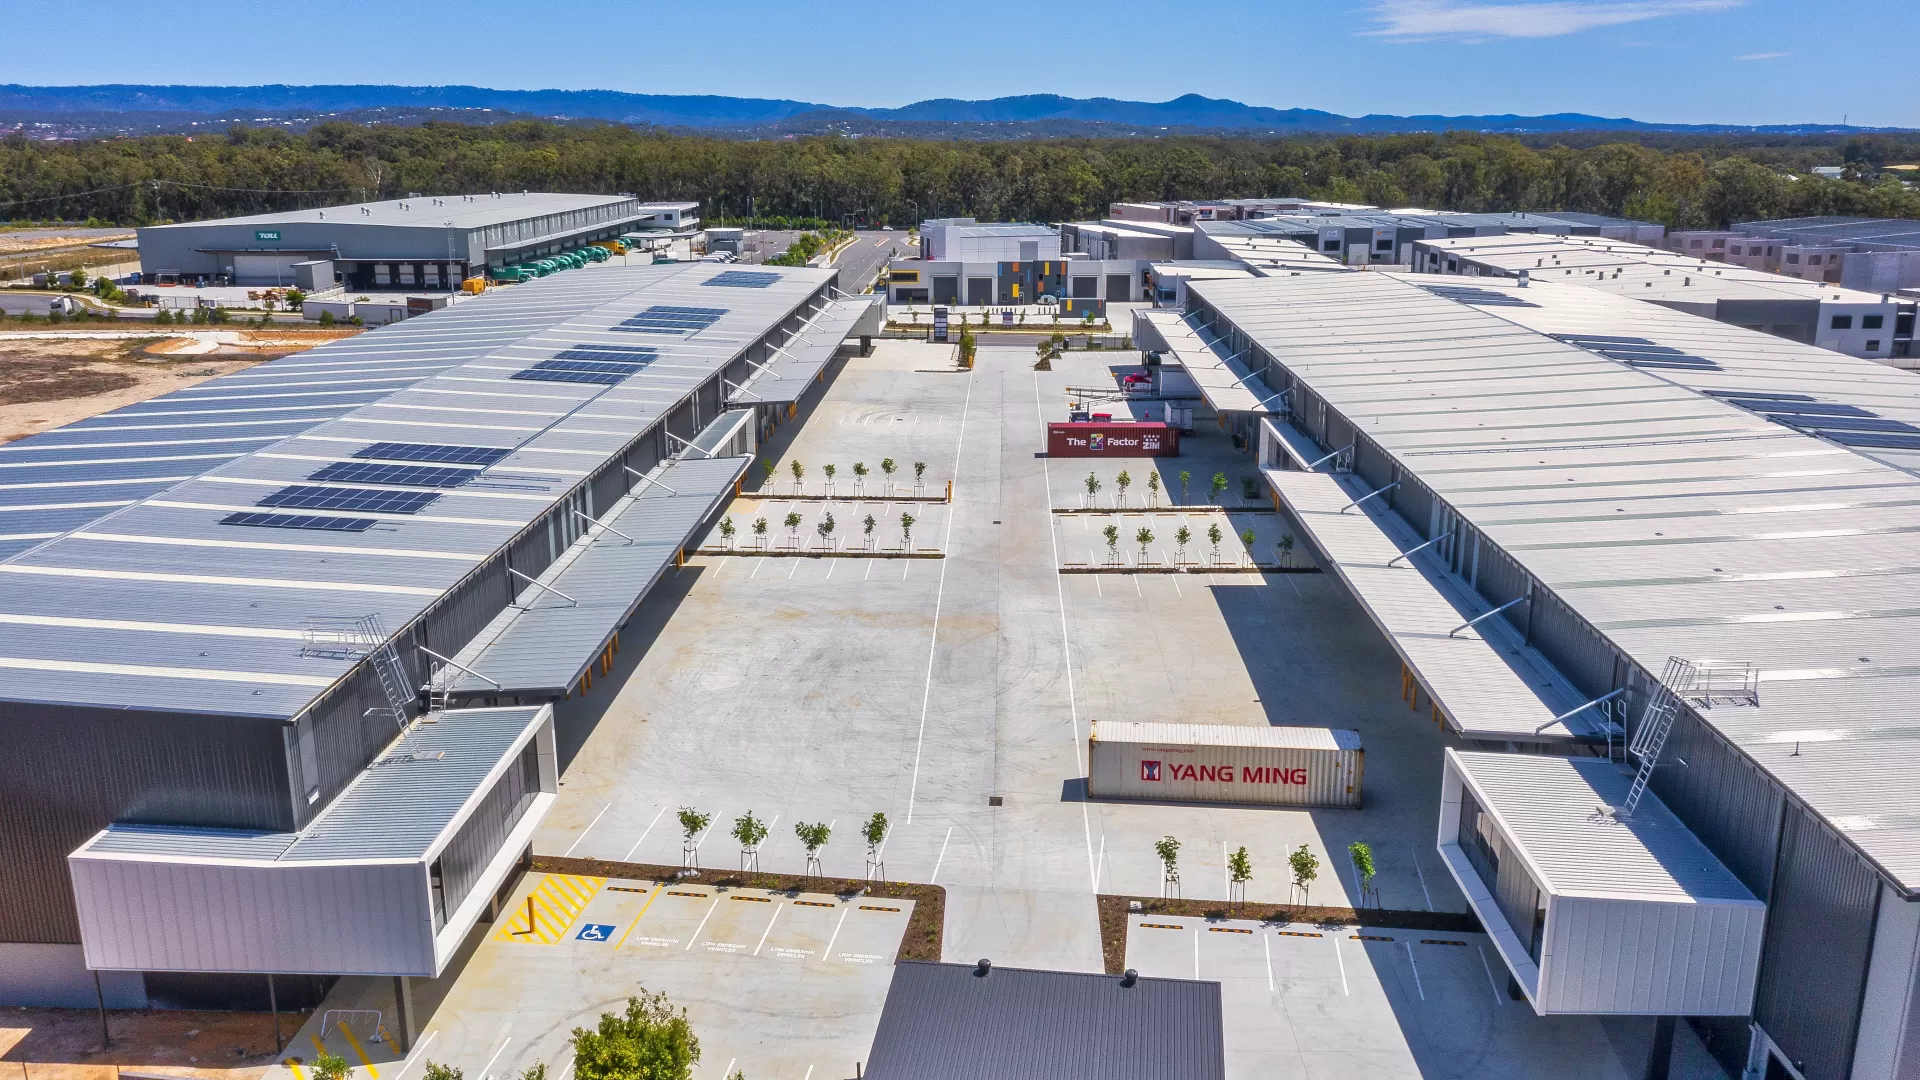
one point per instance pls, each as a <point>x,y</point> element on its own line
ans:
<point>1066,650</point>
<point>589,828</point>
<point>939,597</point>
<point>1266,945</point>
<point>1100,862</point>
<point>1176,587</point>
<point>827,953</point>
<point>1343,965</point>
<point>729,1069</point>
<point>869,572</point>
<point>1226,878</point>
<point>494,1058</point>
<point>1097,590</point>
<point>567,1069</point>
<point>757,564</point>
<point>1491,981</point>
<point>1196,951</point>
<point>643,836</point>
<point>763,934</point>
<point>809,1075</point>
<point>695,936</point>
<point>942,858</point>
<point>1415,852</point>
<point>830,565</point>
<point>796,568</point>
<point>1416,971</point>
<point>416,1053</point>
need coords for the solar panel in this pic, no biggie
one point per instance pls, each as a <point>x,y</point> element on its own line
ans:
<point>539,373</point>
<point>743,279</point>
<point>671,319</point>
<point>614,366</point>
<point>300,521</point>
<point>455,455</point>
<point>368,472</point>
<point>375,500</point>
<point>619,354</point>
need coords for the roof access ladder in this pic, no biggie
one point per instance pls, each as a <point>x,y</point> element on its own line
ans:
<point>1701,683</point>
<point>364,636</point>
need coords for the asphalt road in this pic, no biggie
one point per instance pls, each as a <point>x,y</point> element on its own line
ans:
<point>869,252</point>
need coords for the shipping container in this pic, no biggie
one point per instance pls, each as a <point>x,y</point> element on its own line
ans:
<point>1112,440</point>
<point>1286,766</point>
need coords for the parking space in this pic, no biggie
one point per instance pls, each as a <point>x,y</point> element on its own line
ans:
<point>1083,542</point>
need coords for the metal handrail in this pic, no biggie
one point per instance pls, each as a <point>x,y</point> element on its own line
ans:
<point>450,662</point>
<point>1312,465</point>
<point>1601,700</point>
<point>1369,495</point>
<point>643,476</point>
<point>543,585</point>
<point>606,526</point>
<point>688,443</point>
<point>1488,615</point>
<point>1421,547</point>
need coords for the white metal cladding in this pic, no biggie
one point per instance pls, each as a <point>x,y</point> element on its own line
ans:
<point>349,894</point>
<point>1640,917</point>
<point>94,616</point>
<point>1672,522</point>
<point>1293,766</point>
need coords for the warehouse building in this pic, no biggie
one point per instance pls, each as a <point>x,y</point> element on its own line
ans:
<point>1876,326</point>
<point>1668,607</point>
<point>280,648</point>
<point>1869,254</point>
<point>422,242</point>
<point>1368,236</point>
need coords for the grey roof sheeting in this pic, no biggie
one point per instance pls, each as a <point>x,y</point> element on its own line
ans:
<point>946,1022</point>
<point>788,374</point>
<point>397,809</point>
<point>1675,523</point>
<point>156,605</point>
<point>427,212</point>
<point>541,647</point>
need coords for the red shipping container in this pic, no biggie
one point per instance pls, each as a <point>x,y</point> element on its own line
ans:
<point>1112,440</point>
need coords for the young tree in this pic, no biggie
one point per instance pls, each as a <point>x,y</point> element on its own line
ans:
<point>1246,537</point>
<point>798,470</point>
<point>437,1071</point>
<point>760,533</point>
<point>1286,549</point>
<point>887,466</point>
<point>1363,869</point>
<point>825,529</point>
<point>1305,866</point>
<point>1239,872</point>
<point>829,469</point>
<point>1093,488</point>
<point>906,531</point>
<point>969,345</point>
<point>1168,849</point>
<point>749,831</point>
<point>793,527</point>
<point>1214,536</point>
<point>1219,485</point>
<point>1182,537</point>
<point>859,477</point>
<point>1143,538</point>
<point>652,1041</point>
<point>726,531</point>
<point>1121,483</point>
<point>691,823</point>
<point>919,476</point>
<point>813,837</point>
<point>1153,488</point>
<point>767,469</point>
<point>328,1067</point>
<point>874,832</point>
<point>867,525</point>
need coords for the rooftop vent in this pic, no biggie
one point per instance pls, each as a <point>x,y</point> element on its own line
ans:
<point>981,968</point>
<point>1130,979</point>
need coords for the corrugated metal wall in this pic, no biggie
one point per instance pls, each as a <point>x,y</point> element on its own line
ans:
<point>1725,799</point>
<point>67,773</point>
<point>1819,939</point>
<point>466,856</point>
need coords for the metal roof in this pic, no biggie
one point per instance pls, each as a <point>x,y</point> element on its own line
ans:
<point>1547,805</point>
<point>541,646</point>
<point>398,808</point>
<point>1887,234</point>
<point>945,1022</point>
<point>1672,521</point>
<point>1281,738</point>
<point>156,605</point>
<point>787,374</point>
<point>1226,383</point>
<point>1854,402</point>
<point>429,212</point>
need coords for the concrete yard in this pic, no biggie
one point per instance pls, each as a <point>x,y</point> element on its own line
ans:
<point>955,696</point>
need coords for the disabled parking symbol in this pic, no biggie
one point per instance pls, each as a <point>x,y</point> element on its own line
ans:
<point>594,932</point>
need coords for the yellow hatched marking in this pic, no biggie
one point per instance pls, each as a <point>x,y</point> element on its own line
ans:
<point>557,901</point>
<point>298,1072</point>
<point>358,1051</point>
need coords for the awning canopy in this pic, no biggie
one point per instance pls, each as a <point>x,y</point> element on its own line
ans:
<point>1225,383</point>
<point>786,375</point>
<point>538,649</point>
<point>1488,682</point>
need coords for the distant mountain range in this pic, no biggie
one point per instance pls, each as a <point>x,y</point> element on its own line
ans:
<point>72,110</point>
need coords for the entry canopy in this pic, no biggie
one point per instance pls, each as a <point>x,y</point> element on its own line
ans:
<point>1227,384</point>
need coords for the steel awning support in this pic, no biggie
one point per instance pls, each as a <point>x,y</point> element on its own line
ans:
<point>543,586</point>
<point>604,525</point>
<point>452,663</point>
<point>1418,548</point>
<point>638,475</point>
<point>1368,495</point>
<point>1483,618</point>
<point>1601,700</point>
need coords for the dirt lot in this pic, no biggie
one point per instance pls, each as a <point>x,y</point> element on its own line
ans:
<point>64,1044</point>
<point>46,382</point>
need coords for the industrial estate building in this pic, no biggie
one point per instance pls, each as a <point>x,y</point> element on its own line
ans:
<point>1663,553</point>
<point>279,647</point>
<point>422,242</point>
<point>1869,254</point>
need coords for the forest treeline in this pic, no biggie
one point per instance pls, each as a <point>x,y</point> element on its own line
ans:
<point>158,178</point>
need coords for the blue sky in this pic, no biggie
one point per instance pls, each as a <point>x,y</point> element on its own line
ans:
<point>1729,61</point>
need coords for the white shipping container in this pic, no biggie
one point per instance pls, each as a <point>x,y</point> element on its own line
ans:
<point>1286,766</point>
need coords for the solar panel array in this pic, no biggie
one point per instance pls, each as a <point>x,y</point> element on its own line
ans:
<point>453,455</point>
<point>743,279</point>
<point>309,497</point>
<point>300,521</point>
<point>671,319</point>
<point>562,371</point>
<point>368,472</point>
<point>618,354</point>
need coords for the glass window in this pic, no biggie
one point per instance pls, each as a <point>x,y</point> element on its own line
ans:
<point>1872,322</point>
<point>1793,258</point>
<point>1873,345</point>
<point>1694,243</point>
<point>1842,322</point>
<point>1813,260</point>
